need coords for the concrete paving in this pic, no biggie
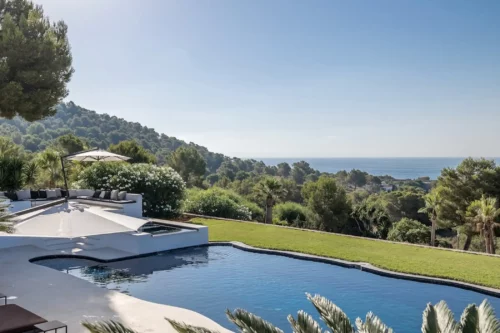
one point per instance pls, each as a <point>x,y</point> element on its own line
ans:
<point>58,296</point>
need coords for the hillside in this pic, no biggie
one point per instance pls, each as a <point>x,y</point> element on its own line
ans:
<point>100,130</point>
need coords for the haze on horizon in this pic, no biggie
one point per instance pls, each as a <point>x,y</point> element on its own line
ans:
<point>294,78</point>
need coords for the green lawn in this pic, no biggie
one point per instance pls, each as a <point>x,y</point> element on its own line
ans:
<point>471,268</point>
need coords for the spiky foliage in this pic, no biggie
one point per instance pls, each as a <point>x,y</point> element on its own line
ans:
<point>372,324</point>
<point>439,318</point>
<point>433,201</point>
<point>30,173</point>
<point>482,213</point>
<point>109,326</point>
<point>250,323</point>
<point>271,189</point>
<point>436,319</point>
<point>304,323</point>
<point>184,328</point>
<point>332,315</point>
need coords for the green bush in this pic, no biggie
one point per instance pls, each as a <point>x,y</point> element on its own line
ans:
<point>291,212</point>
<point>409,231</point>
<point>221,203</point>
<point>162,188</point>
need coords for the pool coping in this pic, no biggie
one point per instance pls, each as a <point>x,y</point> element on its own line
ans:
<point>304,256</point>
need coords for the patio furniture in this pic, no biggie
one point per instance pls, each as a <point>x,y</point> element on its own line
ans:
<point>4,298</point>
<point>53,325</point>
<point>16,319</point>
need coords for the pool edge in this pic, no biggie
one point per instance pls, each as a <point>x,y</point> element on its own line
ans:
<point>303,256</point>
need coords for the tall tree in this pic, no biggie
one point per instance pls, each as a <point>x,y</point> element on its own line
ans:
<point>272,191</point>
<point>461,186</point>
<point>284,170</point>
<point>482,214</point>
<point>134,150</point>
<point>433,202</point>
<point>71,143</point>
<point>329,202</point>
<point>35,61</point>
<point>49,161</point>
<point>189,163</point>
<point>356,178</point>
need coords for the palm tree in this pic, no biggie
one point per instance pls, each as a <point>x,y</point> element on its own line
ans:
<point>272,190</point>
<point>436,319</point>
<point>49,160</point>
<point>433,202</point>
<point>30,173</point>
<point>482,213</point>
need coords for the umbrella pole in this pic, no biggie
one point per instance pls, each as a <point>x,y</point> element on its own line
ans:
<point>64,175</point>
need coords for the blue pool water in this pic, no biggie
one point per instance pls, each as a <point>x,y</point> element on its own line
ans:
<point>210,279</point>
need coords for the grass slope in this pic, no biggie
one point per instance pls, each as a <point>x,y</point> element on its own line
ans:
<point>478,269</point>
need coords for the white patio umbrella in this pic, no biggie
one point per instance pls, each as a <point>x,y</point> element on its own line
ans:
<point>95,155</point>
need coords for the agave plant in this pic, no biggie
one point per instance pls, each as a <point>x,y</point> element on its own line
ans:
<point>436,319</point>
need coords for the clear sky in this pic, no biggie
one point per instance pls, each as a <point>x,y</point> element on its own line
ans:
<point>293,78</point>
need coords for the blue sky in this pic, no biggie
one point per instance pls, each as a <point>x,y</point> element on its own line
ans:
<point>290,78</point>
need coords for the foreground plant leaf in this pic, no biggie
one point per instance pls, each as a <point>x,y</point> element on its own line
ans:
<point>185,328</point>
<point>304,323</point>
<point>109,326</point>
<point>372,324</point>
<point>332,315</point>
<point>250,323</point>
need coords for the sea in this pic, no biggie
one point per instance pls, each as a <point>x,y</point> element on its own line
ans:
<point>397,167</point>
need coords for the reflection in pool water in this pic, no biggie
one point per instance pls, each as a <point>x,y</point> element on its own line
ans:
<point>211,279</point>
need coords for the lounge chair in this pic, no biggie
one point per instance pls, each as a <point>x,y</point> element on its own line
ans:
<point>15,319</point>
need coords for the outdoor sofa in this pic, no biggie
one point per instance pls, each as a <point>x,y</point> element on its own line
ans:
<point>130,203</point>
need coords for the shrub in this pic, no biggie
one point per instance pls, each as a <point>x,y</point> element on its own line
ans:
<point>161,187</point>
<point>410,231</point>
<point>290,212</point>
<point>221,203</point>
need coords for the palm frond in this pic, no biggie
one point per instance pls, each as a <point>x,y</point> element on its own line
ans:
<point>250,323</point>
<point>469,321</point>
<point>372,324</point>
<point>445,318</point>
<point>304,323</point>
<point>332,315</point>
<point>429,320</point>
<point>185,328</point>
<point>109,326</point>
<point>488,323</point>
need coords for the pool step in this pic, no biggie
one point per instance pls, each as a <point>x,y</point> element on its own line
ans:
<point>68,244</point>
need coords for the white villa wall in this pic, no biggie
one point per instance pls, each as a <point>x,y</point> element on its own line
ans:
<point>135,243</point>
<point>147,243</point>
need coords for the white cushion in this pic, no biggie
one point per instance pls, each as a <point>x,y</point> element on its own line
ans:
<point>51,194</point>
<point>102,194</point>
<point>122,195</point>
<point>58,192</point>
<point>114,195</point>
<point>23,195</point>
<point>73,193</point>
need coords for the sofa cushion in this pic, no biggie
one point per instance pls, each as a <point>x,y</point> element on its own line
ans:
<point>64,193</point>
<point>114,195</point>
<point>58,193</point>
<point>96,194</point>
<point>107,195</point>
<point>23,195</point>
<point>102,194</point>
<point>73,193</point>
<point>122,195</point>
<point>51,194</point>
<point>42,194</point>
<point>11,195</point>
<point>34,195</point>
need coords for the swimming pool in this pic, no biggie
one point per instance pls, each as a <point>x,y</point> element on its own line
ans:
<point>210,279</point>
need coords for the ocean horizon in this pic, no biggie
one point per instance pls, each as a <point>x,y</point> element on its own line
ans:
<point>397,167</point>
